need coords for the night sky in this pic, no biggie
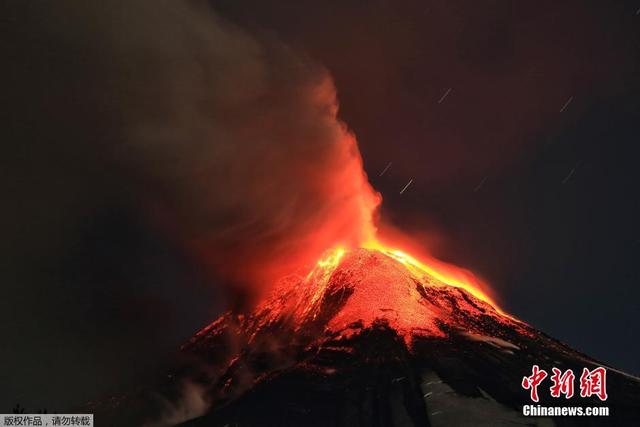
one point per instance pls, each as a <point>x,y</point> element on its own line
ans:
<point>517,123</point>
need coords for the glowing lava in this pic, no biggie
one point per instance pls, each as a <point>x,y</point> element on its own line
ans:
<point>351,290</point>
<point>445,274</point>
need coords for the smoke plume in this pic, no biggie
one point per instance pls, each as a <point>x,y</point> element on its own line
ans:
<point>230,142</point>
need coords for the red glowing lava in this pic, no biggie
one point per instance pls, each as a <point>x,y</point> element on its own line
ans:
<point>349,290</point>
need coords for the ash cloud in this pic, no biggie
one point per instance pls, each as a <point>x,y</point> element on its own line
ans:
<point>230,143</point>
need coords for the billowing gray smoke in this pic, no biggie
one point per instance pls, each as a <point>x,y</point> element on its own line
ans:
<point>232,144</point>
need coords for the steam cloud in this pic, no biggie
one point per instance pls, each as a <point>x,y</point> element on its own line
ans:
<point>231,143</point>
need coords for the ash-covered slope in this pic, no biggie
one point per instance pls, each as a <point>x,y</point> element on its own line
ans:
<point>367,340</point>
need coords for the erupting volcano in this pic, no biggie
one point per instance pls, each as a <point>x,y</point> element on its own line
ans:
<point>367,335</point>
<point>183,190</point>
<point>251,171</point>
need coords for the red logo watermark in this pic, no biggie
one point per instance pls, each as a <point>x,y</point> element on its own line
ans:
<point>592,383</point>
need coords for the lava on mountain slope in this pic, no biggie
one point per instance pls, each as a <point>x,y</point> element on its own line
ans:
<point>350,290</point>
<point>360,322</point>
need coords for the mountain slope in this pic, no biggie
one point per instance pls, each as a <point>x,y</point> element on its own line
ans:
<point>370,339</point>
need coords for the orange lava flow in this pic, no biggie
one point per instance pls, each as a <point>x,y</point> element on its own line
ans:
<point>446,275</point>
<point>420,269</point>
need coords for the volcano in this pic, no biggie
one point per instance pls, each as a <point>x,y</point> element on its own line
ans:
<point>370,337</point>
